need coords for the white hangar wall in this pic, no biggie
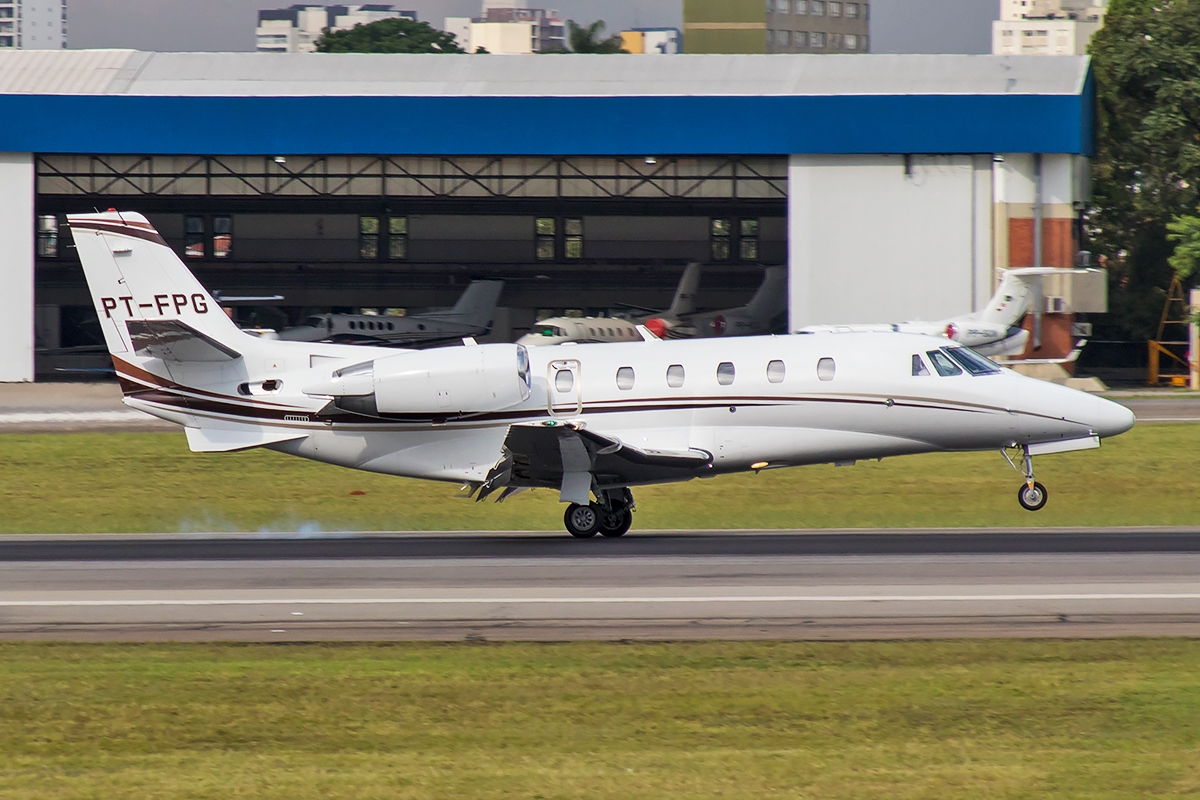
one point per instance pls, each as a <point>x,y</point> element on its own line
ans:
<point>886,238</point>
<point>16,267</point>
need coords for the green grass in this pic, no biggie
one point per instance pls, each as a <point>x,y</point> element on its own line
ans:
<point>996,719</point>
<point>150,482</point>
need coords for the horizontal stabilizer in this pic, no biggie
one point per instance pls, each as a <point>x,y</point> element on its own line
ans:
<point>223,440</point>
<point>173,340</point>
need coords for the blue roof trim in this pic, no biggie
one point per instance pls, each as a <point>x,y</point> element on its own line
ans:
<point>632,125</point>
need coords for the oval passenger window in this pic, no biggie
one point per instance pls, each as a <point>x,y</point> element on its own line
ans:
<point>725,373</point>
<point>775,371</point>
<point>564,380</point>
<point>675,376</point>
<point>625,378</point>
<point>825,369</point>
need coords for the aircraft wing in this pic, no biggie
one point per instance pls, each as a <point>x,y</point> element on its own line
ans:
<point>569,458</point>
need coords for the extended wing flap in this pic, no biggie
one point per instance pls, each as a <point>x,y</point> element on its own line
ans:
<point>557,456</point>
<point>173,340</point>
<point>223,440</point>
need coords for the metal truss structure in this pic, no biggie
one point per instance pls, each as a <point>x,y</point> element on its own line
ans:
<point>692,178</point>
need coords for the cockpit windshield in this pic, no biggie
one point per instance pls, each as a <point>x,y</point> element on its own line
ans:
<point>973,362</point>
<point>315,322</point>
<point>551,330</point>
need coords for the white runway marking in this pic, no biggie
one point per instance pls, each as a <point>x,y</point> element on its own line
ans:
<point>71,417</point>
<point>799,598</point>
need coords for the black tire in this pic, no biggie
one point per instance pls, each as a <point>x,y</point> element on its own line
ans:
<point>582,521</point>
<point>615,523</point>
<point>1032,498</point>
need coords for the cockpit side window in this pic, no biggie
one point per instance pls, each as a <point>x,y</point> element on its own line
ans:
<point>942,363</point>
<point>973,362</point>
<point>918,366</point>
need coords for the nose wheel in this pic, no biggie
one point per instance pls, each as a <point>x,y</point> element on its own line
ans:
<point>1033,495</point>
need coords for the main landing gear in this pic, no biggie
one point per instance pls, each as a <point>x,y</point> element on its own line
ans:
<point>1032,495</point>
<point>611,515</point>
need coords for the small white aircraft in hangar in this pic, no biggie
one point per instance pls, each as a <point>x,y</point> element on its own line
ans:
<point>992,332</point>
<point>589,420</point>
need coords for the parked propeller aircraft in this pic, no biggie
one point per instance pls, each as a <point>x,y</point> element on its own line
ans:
<point>994,331</point>
<point>680,321</point>
<point>584,420</point>
<point>470,316</point>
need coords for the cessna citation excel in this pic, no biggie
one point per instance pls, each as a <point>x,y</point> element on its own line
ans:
<point>585,420</point>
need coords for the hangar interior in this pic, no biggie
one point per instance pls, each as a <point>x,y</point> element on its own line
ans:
<point>891,186</point>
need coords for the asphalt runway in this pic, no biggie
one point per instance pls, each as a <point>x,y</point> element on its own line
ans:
<point>708,584</point>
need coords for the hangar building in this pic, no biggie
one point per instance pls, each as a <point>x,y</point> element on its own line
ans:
<point>890,185</point>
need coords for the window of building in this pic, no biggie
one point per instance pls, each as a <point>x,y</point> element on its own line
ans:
<point>47,236</point>
<point>725,373</point>
<point>6,13</point>
<point>675,376</point>
<point>826,369</point>
<point>770,38</point>
<point>801,39</point>
<point>193,237</point>
<point>835,41</point>
<point>222,237</point>
<point>785,39</point>
<point>748,241</point>
<point>722,231</point>
<point>851,41</point>
<point>801,7</point>
<point>573,243</point>
<point>918,366</point>
<point>816,8</point>
<point>866,9</point>
<point>545,230</point>
<point>397,238</point>
<point>851,10</point>
<point>368,238</point>
<point>835,8</point>
<point>776,371</point>
<point>625,378</point>
<point>816,39</point>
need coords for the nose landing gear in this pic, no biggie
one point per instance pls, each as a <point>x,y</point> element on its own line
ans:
<point>611,516</point>
<point>1033,495</point>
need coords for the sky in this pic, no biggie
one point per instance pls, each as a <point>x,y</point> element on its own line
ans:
<point>897,26</point>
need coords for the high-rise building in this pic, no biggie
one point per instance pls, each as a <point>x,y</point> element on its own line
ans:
<point>507,29</point>
<point>33,24</point>
<point>1046,27</point>
<point>776,26</point>
<point>297,28</point>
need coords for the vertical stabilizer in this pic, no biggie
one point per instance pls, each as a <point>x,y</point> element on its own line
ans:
<point>1013,297</point>
<point>476,306</point>
<point>771,298</point>
<point>138,282</point>
<point>684,302</point>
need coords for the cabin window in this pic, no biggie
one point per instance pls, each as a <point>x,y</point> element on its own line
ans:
<point>625,378</point>
<point>675,376</point>
<point>918,366</point>
<point>944,366</point>
<point>775,371</point>
<point>564,380</point>
<point>973,362</point>
<point>725,373</point>
<point>826,369</point>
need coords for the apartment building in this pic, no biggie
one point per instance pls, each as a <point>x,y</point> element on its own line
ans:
<point>33,24</point>
<point>505,29</point>
<point>1046,27</point>
<point>297,28</point>
<point>776,26</point>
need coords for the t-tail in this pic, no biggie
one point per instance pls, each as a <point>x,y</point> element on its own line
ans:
<point>771,298</point>
<point>684,302</point>
<point>476,306</point>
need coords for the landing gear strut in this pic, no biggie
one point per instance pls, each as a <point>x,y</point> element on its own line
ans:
<point>611,515</point>
<point>1032,496</point>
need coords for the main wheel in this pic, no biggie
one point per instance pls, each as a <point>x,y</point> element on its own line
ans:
<point>615,523</point>
<point>1033,497</point>
<point>582,521</point>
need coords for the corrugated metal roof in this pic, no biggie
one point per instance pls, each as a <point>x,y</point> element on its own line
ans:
<point>63,71</point>
<point>319,74</point>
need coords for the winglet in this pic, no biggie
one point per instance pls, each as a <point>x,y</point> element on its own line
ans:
<point>647,334</point>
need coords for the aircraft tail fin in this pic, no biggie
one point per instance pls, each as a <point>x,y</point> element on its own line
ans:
<point>148,302</point>
<point>771,298</point>
<point>684,301</point>
<point>1014,296</point>
<point>476,306</point>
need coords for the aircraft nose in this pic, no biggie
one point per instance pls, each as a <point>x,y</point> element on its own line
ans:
<point>1111,419</point>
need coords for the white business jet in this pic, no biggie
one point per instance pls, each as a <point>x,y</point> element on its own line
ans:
<point>993,332</point>
<point>587,421</point>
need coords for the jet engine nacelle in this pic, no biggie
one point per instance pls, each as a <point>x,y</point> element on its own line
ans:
<point>472,379</point>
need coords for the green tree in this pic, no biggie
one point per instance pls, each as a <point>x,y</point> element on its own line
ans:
<point>389,36</point>
<point>1185,231</point>
<point>587,39</point>
<point>1146,60</point>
